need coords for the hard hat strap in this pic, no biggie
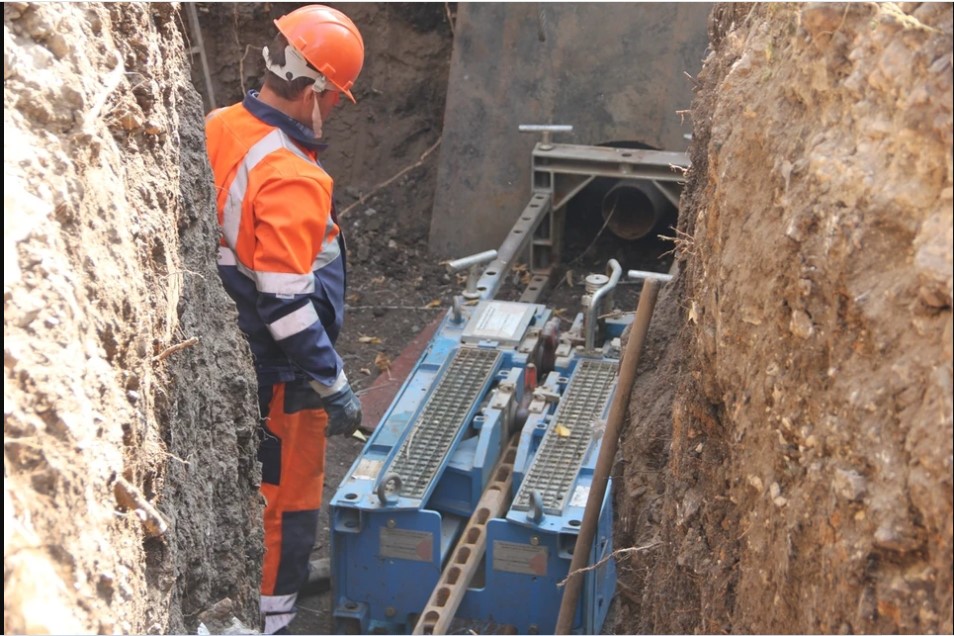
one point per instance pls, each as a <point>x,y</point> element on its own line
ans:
<point>295,66</point>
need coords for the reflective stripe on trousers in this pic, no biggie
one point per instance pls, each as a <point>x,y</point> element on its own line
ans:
<point>278,611</point>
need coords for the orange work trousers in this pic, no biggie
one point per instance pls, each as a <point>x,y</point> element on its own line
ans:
<point>292,453</point>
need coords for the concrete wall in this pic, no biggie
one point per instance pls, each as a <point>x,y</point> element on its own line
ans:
<point>613,71</point>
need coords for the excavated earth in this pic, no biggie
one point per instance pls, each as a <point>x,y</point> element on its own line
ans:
<point>787,467</point>
<point>130,480</point>
<point>787,464</point>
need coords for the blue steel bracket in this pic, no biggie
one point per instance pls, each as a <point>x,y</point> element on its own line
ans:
<point>525,564</point>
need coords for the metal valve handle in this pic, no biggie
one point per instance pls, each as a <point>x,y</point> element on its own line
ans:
<point>471,261</point>
<point>545,129</point>
<point>472,264</point>
<point>641,275</point>
<point>593,311</point>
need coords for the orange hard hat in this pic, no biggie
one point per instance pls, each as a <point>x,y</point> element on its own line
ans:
<point>329,40</point>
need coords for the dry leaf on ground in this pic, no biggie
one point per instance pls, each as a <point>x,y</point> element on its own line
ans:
<point>382,362</point>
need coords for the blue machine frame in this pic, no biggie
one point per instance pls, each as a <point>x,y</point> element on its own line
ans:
<point>403,503</point>
<point>405,500</point>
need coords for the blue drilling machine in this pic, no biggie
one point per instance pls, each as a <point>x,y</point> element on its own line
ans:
<point>466,501</point>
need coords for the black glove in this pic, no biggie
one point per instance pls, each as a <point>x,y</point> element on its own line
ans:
<point>344,412</point>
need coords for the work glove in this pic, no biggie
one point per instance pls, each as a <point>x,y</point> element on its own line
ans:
<point>342,407</point>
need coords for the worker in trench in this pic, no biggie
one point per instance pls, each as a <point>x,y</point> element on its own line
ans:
<point>282,260</point>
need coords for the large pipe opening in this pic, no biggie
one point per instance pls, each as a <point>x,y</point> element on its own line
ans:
<point>633,208</point>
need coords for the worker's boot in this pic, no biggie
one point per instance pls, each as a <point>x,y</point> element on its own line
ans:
<point>319,569</point>
<point>319,576</point>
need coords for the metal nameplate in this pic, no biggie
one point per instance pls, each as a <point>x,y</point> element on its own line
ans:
<point>410,545</point>
<point>520,558</point>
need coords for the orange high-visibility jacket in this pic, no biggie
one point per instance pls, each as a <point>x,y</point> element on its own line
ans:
<point>280,257</point>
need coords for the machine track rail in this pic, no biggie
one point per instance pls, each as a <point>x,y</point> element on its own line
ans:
<point>449,592</point>
<point>560,456</point>
<point>423,451</point>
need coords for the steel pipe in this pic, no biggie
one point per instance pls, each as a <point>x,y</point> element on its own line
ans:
<point>593,311</point>
<point>634,207</point>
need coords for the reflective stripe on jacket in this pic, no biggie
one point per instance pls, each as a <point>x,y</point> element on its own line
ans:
<point>280,257</point>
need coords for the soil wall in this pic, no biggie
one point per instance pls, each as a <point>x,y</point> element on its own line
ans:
<point>788,469</point>
<point>130,501</point>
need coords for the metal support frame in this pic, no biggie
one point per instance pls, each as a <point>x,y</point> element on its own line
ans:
<point>602,161</point>
<point>559,172</point>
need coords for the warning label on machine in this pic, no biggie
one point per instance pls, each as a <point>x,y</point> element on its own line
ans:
<point>410,545</point>
<point>499,320</point>
<point>580,495</point>
<point>520,558</point>
<point>367,469</point>
<point>503,322</point>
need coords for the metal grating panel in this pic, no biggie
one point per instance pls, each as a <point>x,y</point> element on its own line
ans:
<point>559,459</point>
<point>424,449</point>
